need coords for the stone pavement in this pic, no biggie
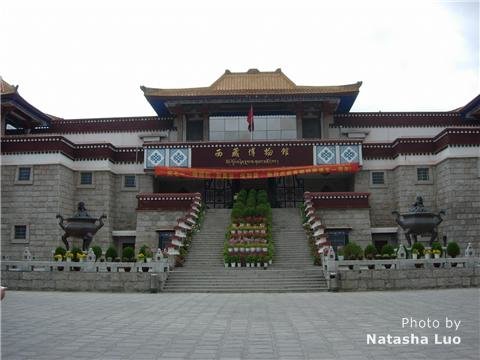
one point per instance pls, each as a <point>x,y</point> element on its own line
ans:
<point>56,325</point>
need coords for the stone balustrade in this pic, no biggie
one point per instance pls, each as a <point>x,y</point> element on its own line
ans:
<point>159,266</point>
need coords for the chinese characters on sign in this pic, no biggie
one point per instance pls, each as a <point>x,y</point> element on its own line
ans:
<point>252,155</point>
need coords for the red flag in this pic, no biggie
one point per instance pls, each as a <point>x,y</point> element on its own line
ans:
<point>250,119</point>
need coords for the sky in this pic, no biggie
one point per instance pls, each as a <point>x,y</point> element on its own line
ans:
<point>87,59</point>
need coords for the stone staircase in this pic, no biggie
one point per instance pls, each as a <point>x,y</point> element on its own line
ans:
<point>292,269</point>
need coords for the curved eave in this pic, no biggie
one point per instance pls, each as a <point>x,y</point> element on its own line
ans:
<point>162,104</point>
<point>14,100</point>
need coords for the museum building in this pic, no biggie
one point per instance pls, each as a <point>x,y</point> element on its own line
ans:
<point>246,130</point>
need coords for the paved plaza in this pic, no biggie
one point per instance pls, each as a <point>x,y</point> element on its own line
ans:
<point>56,325</point>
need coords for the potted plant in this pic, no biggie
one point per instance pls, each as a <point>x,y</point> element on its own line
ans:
<point>439,250</point>
<point>388,252</point>
<point>428,253</point>
<point>352,251</point>
<point>420,249</point>
<point>415,254</point>
<point>97,250</point>
<point>128,256</point>
<point>69,256</point>
<point>453,250</point>
<point>111,254</point>
<point>370,252</point>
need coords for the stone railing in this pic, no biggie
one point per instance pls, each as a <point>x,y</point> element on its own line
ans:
<point>158,266</point>
<point>332,266</point>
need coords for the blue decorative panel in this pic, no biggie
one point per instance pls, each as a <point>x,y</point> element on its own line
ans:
<point>178,157</point>
<point>154,157</point>
<point>349,154</point>
<point>325,154</point>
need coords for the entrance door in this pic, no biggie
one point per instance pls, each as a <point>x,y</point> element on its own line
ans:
<point>289,191</point>
<point>218,193</point>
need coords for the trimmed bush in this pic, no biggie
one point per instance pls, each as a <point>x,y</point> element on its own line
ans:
<point>388,249</point>
<point>353,251</point>
<point>453,250</point>
<point>437,246</point>
<point>60,251</point>
<point>97,250</point>
<point>111,253</point>
<point>419,247</point>
<point>370,252</point>
<point>75,251</point>
<point>128,254</point>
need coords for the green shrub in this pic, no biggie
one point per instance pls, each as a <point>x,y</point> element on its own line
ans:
<point>388,249</point>
<point>60,251</point>
<point>128,254</point>
<point>437,246</point>
<point>419,247</point>
<point>75,251</point>
<point>145,250</point>
<point>111,253</point>
<point>370,251</point>
<point>237,213</point>
<point>352,251</point>
<point>453,250</point>
<point>97,250</point>
<point>263,210</point>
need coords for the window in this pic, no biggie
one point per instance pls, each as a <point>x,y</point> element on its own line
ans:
<point>311,128</point>
<point>337,237</point>
<point>164,238</point>
<point>86,179</point>
<point>194,130</point>
<point>20,234</point>
<point>130,182</point>
<point>24,175</point>
<point>377,178</point>
<point>423,174</point>
<point>381,239</point>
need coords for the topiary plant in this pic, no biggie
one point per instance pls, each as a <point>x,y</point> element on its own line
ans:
<point>419,248</point>
<point>60,251</point>
<point>453,250</point>
<point>75,251</point>
<point>437,246</point>
<point>111,253</point>
<point>97,250</point>
<point>128,254</point>
<point>370,252</point>
<point>388,250</point>
<point>352,251</point>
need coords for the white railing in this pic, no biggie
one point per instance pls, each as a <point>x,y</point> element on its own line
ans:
<point>158,266</point>
<point>332,266</point>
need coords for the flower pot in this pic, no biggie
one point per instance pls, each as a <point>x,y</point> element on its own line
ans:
<point>226,265</point>
<point>427,256</point>
<point>414,256</point>
<point>270,262</point>
<point>232,265</point>
<point>340,257</point>
<point>239,264</point>
<point>437,256</point>
<point>149,260</point>
<point>258,264</point>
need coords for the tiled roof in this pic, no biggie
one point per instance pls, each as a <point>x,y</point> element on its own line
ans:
<point>252,82</point>
<point>6,88</point>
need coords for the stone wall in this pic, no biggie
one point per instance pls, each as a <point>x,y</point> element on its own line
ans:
<point>80,281</point>
<point>458,192</point>
<point>381,199</point>
<point>357,219</point>
<point>35,205</point>
<point>353,280</point>
<point>99,199</point>
<point>149,221</point>
<point>126,201</point>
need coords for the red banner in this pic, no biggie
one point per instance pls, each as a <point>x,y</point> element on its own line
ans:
<point>261,173</point>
